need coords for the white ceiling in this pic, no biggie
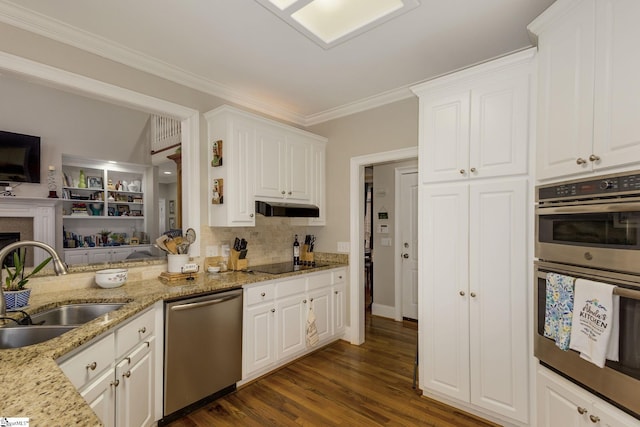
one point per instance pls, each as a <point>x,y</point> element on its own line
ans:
<point>240,51</point>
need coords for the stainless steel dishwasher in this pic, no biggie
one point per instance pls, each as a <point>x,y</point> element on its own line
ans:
<point>203,350</point>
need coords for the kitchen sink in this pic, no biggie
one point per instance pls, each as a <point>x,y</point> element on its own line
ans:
<point>74,314</point>
<point>22,336</point>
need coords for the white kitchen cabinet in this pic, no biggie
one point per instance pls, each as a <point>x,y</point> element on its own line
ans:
<point>561,404</point>
<point>116,374</point>
<point>318,190</point>
<point>101,255</point>
<point>275,316</point>
<point>283,166</point>
<point>474,124</point>
<point>262,160</point>
<point>474,294</point>
<point>588,90</point>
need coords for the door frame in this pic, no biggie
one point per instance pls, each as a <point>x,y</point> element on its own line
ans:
<point>356,231</point>
<point>397,264</point>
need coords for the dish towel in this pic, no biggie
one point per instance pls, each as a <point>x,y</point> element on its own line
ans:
<point>595,322</point>
<point>558,309</point>
<point>311,331</point>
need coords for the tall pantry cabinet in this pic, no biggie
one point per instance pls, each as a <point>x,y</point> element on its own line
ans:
<point>474,222</point>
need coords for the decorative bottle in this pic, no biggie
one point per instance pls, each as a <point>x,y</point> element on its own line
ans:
<point>82,182</point>
<point>296,251</point>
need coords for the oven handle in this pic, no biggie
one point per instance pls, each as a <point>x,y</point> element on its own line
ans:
<point>623,292</point>
<point>595,208</point>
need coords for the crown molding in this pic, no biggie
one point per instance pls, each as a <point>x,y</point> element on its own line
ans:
<point>45,26</point>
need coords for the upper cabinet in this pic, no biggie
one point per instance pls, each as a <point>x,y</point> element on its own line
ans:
<point>253,158</point>
<point>474,124</point>
<point>588,87</point>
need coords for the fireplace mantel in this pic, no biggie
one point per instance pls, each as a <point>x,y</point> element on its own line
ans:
<point>43,212</point>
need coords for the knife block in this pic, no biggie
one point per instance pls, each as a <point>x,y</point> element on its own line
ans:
<point>306,256</point>
<point>235,263</point>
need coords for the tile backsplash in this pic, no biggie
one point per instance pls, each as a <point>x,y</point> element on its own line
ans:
<point>270,241</point>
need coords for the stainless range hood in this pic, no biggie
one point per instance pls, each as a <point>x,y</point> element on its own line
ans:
<point>291,210</point>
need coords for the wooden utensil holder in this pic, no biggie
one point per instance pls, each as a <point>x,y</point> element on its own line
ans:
<point>235,263</point>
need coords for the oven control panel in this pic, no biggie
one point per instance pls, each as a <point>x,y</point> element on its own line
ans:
<point>609,185</point>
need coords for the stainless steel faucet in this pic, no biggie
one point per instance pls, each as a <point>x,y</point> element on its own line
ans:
<point>58,266</point>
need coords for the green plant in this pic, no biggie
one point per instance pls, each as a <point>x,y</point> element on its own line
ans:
<point>105,232</point>
<point>16,279</point>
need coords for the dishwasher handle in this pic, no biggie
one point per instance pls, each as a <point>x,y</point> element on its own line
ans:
<point>193,305</point>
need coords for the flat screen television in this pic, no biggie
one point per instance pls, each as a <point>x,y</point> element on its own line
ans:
<point>19,157</point>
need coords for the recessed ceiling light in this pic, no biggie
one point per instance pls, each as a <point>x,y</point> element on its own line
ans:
<point>112,162</point>
<point>331,22</point>
<point>167,172</point>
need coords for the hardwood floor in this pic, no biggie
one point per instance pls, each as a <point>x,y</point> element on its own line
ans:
<point>339,385</point>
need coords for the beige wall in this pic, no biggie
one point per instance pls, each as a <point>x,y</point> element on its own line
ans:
<point>385,128</point>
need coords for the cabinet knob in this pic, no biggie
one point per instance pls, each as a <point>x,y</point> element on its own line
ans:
<point>115,383</point>
<point>462,171</point>
<point>142,330</point>
<point>580,161</point>
<point>290,192</point>
<point>339,277</point>
<point>127,374</point>
<point>335,292</point>
<point>250,215</point>
<point>304,301</point>
<point>273,310</point>
<point>473,294</point>
<point>473,170</point>
<point>311,299</point>
<point>283,192</point>
<point>263,294</point>
<point>462,293</point>
<point>581,410</point>
<point>594,158</point>
<point>92,366</point>
<point>594,419</point>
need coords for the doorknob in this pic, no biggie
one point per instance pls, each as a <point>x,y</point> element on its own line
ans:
<point>405,256</point>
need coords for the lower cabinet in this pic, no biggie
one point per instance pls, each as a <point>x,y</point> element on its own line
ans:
<point>276,313</point>
<point>561,403</point>
<point>101,255</point>
<point>116,374</point>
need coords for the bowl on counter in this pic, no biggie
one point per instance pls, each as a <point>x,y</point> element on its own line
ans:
<point>111,277</point>
<point>213,269</point>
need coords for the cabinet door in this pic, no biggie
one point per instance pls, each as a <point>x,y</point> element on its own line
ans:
<point>100,394</point>
<point>320,301</point>
<point>259,338</point>
<point>498,284</point>
<point>338,310</point>
<point>270,171</point>
<point>240,186</point>
<point>617,88</point>
<point>444,300</point>
<point>291,314</point>
<point>565,93</point>
<point>559,405</point>
<point>611,417</point>
<point>318,195</point>
<point>76,257</point>
<point>444,136</point>
<point>99,255</point>
<point>135,395</point>
<point>298,170</point>
<point>499,125</point>
<point>120,254</point>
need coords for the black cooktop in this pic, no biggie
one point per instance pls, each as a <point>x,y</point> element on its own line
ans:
<point>284,267</point>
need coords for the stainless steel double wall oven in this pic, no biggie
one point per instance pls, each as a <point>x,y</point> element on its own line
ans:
<point>591,229</point>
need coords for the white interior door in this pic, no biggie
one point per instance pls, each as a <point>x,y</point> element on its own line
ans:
<point>162,214</point>
<point>409,238</point>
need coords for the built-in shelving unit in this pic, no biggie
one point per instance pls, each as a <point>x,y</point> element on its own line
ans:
<point>102,196</point>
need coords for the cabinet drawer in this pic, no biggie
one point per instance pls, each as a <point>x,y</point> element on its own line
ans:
<point>260,293</point>
<point>339,277</point>
<point>134,332</point>
<point>319,281</point>
<point>88,364</point>
<point>290,287</point>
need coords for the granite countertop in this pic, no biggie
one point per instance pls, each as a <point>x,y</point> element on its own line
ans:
<point>32,385</point>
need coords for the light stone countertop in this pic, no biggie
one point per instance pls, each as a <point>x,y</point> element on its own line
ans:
<point>31,383</point>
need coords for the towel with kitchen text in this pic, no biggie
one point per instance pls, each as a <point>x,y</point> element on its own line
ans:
<point>312,337</point>
<point>594,332</point>
<point>558,309</point>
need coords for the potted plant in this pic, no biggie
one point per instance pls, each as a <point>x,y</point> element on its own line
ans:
<point>15,293</point>
<point>105,237</point>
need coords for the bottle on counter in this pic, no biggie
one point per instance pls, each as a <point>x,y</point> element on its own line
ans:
<point>296,251</point>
